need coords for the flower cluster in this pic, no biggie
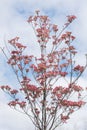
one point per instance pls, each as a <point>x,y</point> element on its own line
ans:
<point>72,103</point>
<point>15,43</point>
<point>14,103</point>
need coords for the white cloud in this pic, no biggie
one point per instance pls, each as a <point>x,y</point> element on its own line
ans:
<point>13,120</point>
<point>13,17</point>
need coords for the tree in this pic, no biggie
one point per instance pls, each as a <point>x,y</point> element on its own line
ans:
<point>40,95</point>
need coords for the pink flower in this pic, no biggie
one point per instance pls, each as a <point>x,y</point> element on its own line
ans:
<point>55,28</point>
<point>71,18</point>
<point>22,104</point>
<point>12,103</point>
<point>14,91</point>
<point>79,68</point>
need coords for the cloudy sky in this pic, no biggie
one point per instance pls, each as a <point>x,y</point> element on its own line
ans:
<point>13,17</point>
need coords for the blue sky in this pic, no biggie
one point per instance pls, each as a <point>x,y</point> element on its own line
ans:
<point>13,17</point>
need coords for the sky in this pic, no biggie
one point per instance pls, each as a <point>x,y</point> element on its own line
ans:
<point>13,22</point>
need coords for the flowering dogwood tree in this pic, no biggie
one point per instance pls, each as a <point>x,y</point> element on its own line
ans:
<point>39,95</point>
